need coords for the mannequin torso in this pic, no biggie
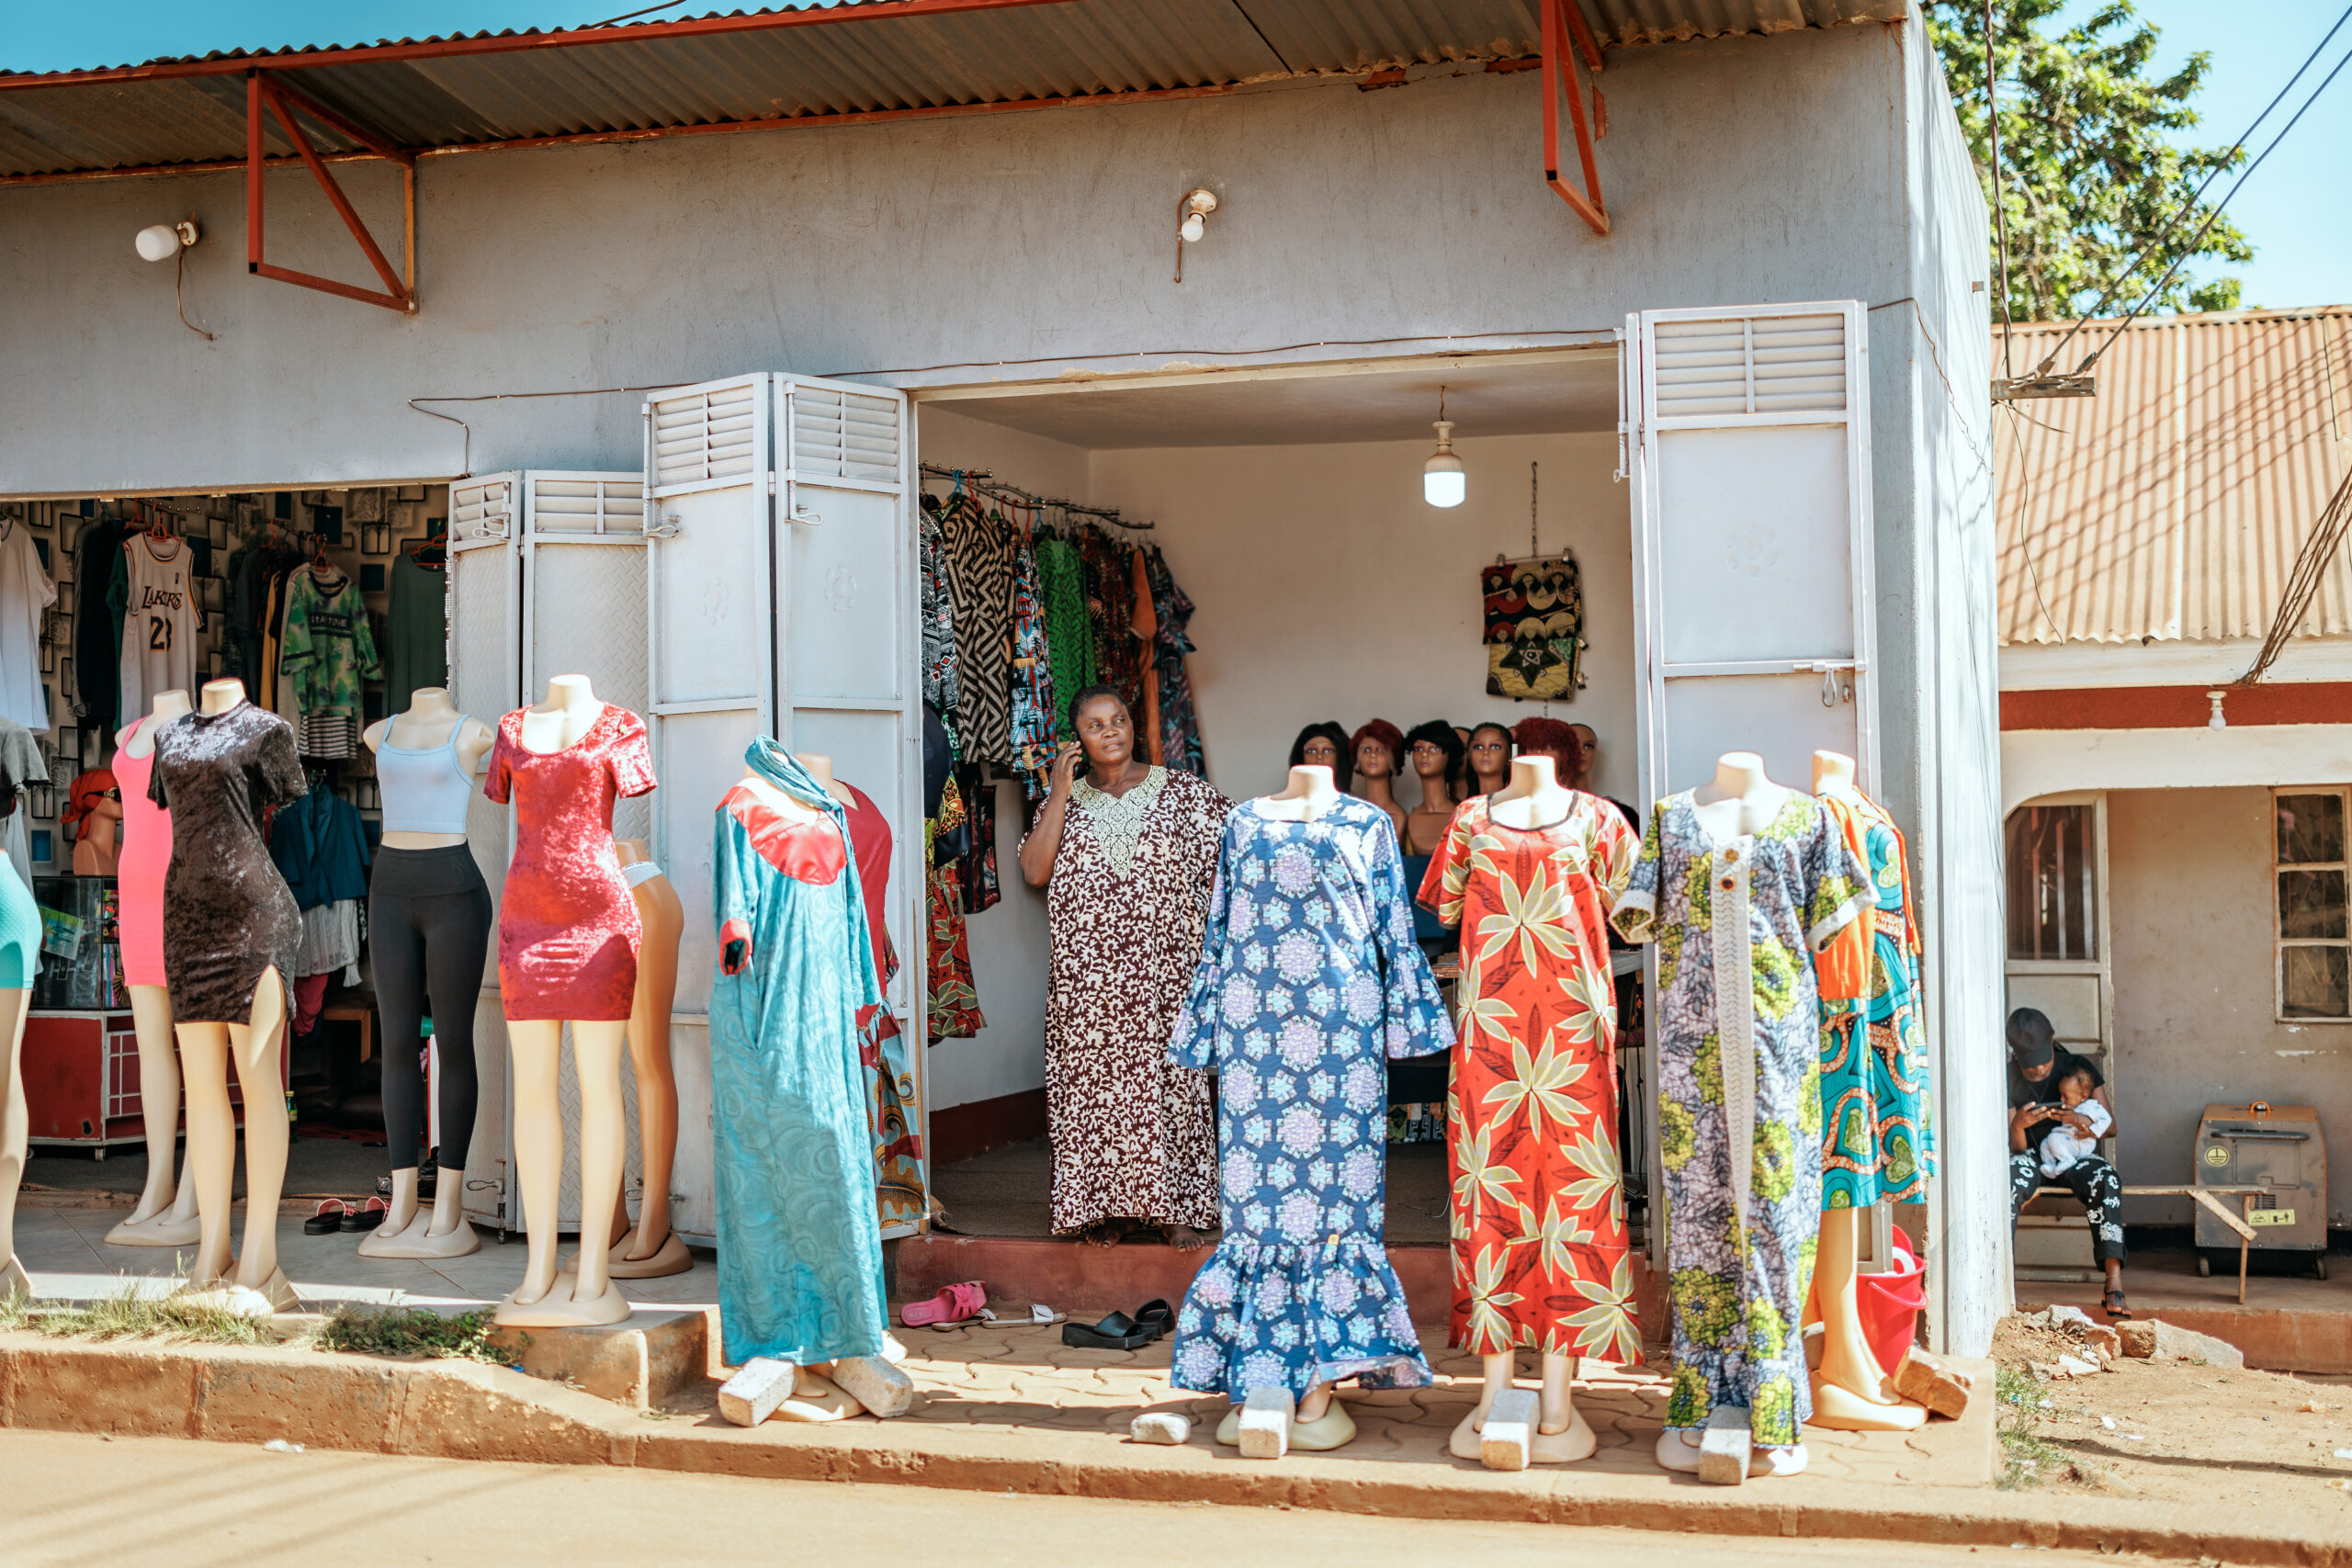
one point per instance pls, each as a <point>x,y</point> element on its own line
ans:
<point>1739,799</point>
<point>1534,798</point>
<point>571,710</point>
<point>1309,795</point>
<point>430,722</point>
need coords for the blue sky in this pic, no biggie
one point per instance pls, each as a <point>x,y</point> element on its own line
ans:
<point>2295,210</point>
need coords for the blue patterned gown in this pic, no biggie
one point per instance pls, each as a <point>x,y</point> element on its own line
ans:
<point>1308,980</point>
<point>799,1247</point>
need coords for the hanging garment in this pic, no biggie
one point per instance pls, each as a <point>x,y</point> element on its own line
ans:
<point>161,623</point>
<point>1123,913</point>
<point>21,765</point>
<point>329,651</point>
<point>939,687</point>
<point>800,1271</point>
<point>1145,626</point>
<point>881,1044</point>
<point>979,577</point>
<point>976,873</point>
<point>26,595</point>
<point>320,848</point>
<point>1539,1204</point>
<point>568,930</point>
<point>1881,1145</point>
<point>141,869</point>
<point>955,999</point>
<point>330,941</point>
<point>1030,678</point>
<point>1308,980</point>
<point>1736,923</point>
<point>97,638</point>
<point>1070,632</point>
<point>416,631</point>
<point>1111,616</point>
<point>1180,727</point>
<point>228,916</point>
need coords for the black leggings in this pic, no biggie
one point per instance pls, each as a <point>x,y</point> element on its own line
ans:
<point>428,929</point>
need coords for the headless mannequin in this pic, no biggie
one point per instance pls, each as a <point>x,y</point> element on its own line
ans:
<point>546,1299</point>
<point>258,1287</point>
<point>1738,800</point>
<point>1320,1422</point>
<point>1534,799</point>
<point>98,848</point>
<point>1375,781</point>
<point>1430,818</point>
<point>430,721</point>
<point>163,1218</point>
<point>1852,1391</point>
<point>652,1251</point>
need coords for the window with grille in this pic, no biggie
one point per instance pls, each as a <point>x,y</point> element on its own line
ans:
<point>2314,935</point>
<point>2054,883</point>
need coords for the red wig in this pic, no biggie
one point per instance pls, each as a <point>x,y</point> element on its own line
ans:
<point>86,792</point>
<point>1546,738</point>
<point>1387,734</point>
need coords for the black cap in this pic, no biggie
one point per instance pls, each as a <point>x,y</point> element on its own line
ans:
<point>2030,1039</point>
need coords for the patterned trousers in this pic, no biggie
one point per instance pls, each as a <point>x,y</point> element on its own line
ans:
<point>2092,1181</point>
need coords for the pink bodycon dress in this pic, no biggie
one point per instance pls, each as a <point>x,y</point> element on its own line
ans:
<point>138,872</point>
<point>568,930</point>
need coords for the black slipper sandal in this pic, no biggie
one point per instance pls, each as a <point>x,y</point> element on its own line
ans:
<point>328,1219</point>
<point>1157,1316</point>
<point>1116,1331</point>
<point>369,1216</point>
<point>2117,1312</point>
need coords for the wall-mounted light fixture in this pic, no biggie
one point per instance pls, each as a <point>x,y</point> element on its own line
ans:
<point>1191,222</point>
<point>1443,481</point>
<point>171,242</point>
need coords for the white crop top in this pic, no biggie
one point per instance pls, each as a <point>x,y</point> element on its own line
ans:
<point>424,791</point>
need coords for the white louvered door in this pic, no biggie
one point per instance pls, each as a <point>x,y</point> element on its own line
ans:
<point>849,646</point>
<point>485,610</point>
<point>1749,453</point>
<point>584,614</point>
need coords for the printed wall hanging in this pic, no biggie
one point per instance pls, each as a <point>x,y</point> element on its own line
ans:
<point>1534,626</point>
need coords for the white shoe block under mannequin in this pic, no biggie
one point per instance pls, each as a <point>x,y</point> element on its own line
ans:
<point>1557,1433</point>
<point>1678,1451</point>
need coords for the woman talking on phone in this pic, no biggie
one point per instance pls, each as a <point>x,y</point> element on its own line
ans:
<point>1127,853</point>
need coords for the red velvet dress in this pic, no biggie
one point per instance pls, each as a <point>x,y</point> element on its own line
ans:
<point>568,931</point>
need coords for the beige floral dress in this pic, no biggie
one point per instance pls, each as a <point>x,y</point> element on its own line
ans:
<point>1131,1131</point>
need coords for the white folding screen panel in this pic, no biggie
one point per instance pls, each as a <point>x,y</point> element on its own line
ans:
<point>485,653</point>
<point>1750,454</point>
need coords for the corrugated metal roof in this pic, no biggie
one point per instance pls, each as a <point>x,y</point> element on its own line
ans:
<point>862,57</point>
<point>2172,505</point>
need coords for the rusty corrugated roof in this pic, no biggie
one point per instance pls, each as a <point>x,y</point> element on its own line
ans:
<point>2172,505</point>
<point>859,57</point>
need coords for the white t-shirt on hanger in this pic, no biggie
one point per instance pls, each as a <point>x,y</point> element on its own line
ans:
<point>160,623</point>
<point>25,591</point>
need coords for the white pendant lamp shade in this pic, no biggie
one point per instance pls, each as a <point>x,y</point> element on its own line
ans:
<point>1442,481</point>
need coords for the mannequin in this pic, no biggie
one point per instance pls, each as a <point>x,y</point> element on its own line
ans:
<point>1534,798</point>
<point>560,872</point>
<point>163,1217</point>
<point>426,893</point>
<point>257,1287</point>
<point>653,1250</point>
<point>1434,763</point>
<point>1376,746</point>
<point>1309,794</point>
<point>1739,799</point>
<point>1852,1391</point>
<point>97,842</point>
<point>20,928</point>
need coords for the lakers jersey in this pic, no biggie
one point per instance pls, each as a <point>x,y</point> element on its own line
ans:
<point>160,623</point>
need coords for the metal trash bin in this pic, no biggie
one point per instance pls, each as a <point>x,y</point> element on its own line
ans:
<point>2279,1147</point>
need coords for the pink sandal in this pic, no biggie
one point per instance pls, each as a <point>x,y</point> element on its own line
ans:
<point>953,1304</point>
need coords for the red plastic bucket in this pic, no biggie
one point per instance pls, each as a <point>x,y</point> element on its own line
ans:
<point>1889,1303</point>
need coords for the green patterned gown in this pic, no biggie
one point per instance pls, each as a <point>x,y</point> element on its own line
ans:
<point>1736,923</point>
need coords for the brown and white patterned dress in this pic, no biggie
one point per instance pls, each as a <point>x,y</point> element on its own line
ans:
<point>1131,1131</point>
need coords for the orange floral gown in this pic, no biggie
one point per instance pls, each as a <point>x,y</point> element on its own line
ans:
<point>1538,1208</point>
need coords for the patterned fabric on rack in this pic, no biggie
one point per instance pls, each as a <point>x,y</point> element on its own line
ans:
<point>979,582</point>
<point>954,1003</point>
<point>1111,608</point>
<point>1031,679</point>
<point>975,868</point>
<point>939,688</point>
<point>1070,631</point>
<point>1179,728</point>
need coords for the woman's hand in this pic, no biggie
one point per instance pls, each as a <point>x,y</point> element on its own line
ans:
<point>1067,761</point>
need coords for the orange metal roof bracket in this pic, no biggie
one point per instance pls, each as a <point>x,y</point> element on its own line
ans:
<point>264,91</point>
<point>1562,18</point>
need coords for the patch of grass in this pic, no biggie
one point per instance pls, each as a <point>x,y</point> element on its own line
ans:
<point>129,1315</point>
<point>2025,1460</point>
<point>410,1331</point>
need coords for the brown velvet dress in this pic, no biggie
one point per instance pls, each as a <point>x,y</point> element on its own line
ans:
<point>227,914</point>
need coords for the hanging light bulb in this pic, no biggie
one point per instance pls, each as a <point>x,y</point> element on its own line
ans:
<point>1443,481</point>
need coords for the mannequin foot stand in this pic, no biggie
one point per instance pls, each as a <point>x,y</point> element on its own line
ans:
<point>816,1398</point>
<point>1686,1453</point>
<point>164,1229</point>
<point>416,1240</point>
<point>14,1282</point>
<point>267,1299</point>
<point>1841,1410</point>
<point>560,1308</point>
<point>670,1258</point>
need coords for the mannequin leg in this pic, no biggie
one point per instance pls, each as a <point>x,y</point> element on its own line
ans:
<point>257,1046</point>
<point>16,1133</point>
<point>1562,1434</point>
<point>212,1143</point>
<point>1499,1369</point>
<point>664,918</point>
<point>1849,1392</point>
<point>159,1097</point>
<point>545,1300</point>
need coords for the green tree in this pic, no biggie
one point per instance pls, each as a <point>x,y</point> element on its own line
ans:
<point>2088,177</point>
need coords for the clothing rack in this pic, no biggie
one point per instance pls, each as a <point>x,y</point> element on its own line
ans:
<point>989,485</point>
